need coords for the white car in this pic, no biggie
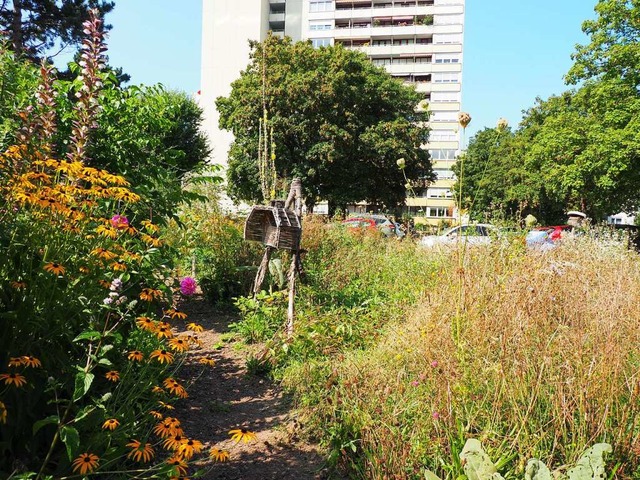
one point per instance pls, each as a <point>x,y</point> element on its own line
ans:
<point>475,234</point>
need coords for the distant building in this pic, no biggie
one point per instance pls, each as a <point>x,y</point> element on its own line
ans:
<point>418,41</point>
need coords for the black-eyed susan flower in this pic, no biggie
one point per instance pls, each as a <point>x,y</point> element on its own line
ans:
<point>13,379</point>
<point>175,313</point>
<point>167,428</point>
<point>195,340</point>
<point>18,285</point>
<point>85,463</point>
<point>189,447</point>
<point>3,413</point>
<point>15,361</point>
<point>163,331</point>
<point>179,344</point>
<point>207,361</point>
<point>104,283</point>
<point>178,465</point>
<point>148,225</point>
<point>54,268</point>
<point>108,232</point>
<point>194,327</point>
<point>112,376</point>
<point>135,356</point>
<point>166,406</point>
<point>145,323</point>
<point>242,435</point>
<point>174,387</point>
<point>162,356</point>
<point>119,266</point>
<point>218,455</point>
<point>157,389</point>
<point>140,451</point>
<point>172,442</point>
<point>147,294</point>
<point>29,361</point>
<point>155,414</point>
<point>103,253</point>
<point>111,424</point>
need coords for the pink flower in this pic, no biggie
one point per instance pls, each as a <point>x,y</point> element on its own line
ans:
<point>415,383</point>
<point>434,364</point>
<point>188,286</point>
<point>120,222</point>
<point>435,415</point>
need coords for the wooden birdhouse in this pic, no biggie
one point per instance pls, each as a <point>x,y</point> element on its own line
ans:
<point>274,226</point>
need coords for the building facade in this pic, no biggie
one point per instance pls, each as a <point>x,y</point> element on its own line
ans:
<point>417,41</point>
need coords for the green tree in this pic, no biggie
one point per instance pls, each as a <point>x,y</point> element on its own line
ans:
<point>339,123</point>
<point>614,48</point>
<point>34,26</point>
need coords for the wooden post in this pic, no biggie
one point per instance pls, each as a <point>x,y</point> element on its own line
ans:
<point>262,270</point>
<point>295,197</point>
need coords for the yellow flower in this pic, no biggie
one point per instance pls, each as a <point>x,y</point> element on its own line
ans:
<point>157,389</point>
<point>155,414</point>
<point>148,294</point>
<point>164,331</point>
<point>15,361</point>
<point>13,379</point>
<point>29,361</point>
<point>162,356</point>
<point>242,434</point>
<point>86,463</point>
<point>189,447</point>
<point>140,451</point>
<point>194,327</point>
<point>112,376</point>
<point>119,266</point>
<point>145,323</point>
<point>135,356</point>
<point>103,253</point>
<point>174,387</point>
<point>178,464</point>
<point>207,361</point>
<point>106,231</point>
<point>166,405</point>
<point>179,344</point>
<point>150,226</point>
<point>172,442</point>
<point>168,427</point>
<point>219,455</point>
<point>110,424</point>
<point>3,413</point>
<point>54,268</point>
<point>175,313</point>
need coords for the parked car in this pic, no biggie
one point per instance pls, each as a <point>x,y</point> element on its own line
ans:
<point>474,234</point>
<point>380,222</point>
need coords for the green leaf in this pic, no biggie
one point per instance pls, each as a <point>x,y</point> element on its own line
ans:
<point>105,361</point>
<point>429,475</point>
<point>477,464</point>
<point>83,383</point>
<point>46,421</point>
<point>90,335</point>
<point>71,439</point>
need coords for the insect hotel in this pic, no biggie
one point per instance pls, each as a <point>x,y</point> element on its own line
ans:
<point>274,226</point>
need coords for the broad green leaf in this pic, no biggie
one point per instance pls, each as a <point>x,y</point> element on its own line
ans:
<point>45,421</point>
<point>71,439</point>
<point>90,335</point>
<point>83,383</point>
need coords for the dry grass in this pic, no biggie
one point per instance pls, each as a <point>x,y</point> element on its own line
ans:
<point>546,363</point>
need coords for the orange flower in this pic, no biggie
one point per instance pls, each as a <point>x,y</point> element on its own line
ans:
<point>162,356</point>
<point>140,451</point>
<point>175,313</point>
<point>54,268</point>
<point>157,389</point>
<point>145,323</point>
<point>112,376</point>
<point>148,294</point>
<point>172,442</point>
<point>194,327</point>
<point>119,266</point>
<point>103,253</point>
<point>111,424</point>
<point>179,344</point>
<point>174,387</point>
<point>15,361</point>
<point>29,361</point>
<point>189,447</point>
<point>164,331</point>
<point>155,414</point>
<point>178,464</point>
<point>168,427</point>
<point>107,231</point>
<point>219,455</point>
<point>135,356</point>
<point>3,413</point>
<point>13,379</point>
<point>207,361</point>
<point>18,285</point>
<point>242,434</point>
<point>86,463</point>
<point>166,405</point>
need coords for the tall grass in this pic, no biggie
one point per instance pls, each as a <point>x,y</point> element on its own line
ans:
<point>546,363</point>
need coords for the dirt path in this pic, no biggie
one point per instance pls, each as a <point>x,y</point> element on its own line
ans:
<point>225,397</point>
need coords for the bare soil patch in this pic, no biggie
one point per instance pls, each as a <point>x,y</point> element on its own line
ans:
<point>225,397</point>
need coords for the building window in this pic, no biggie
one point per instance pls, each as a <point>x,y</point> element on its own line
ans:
<point>443,174</point>
<point>444,117</point>
<point>443,136</point>
<point>314,26</point>
<point>320,6</point>
<point>445,97</point>
<point>437,212</point>
<point>447,39</point>
<point>442,193</point>
<point>445,78</point>
<point>445,154</point>
<point>320,42</point>
<point>448,59</point>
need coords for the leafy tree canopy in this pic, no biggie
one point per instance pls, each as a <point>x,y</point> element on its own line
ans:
<point>35,26</point>
<point>614,48</point>
<point>339,123</point>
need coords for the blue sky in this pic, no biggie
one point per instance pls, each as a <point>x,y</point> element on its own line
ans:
<point>514,50</point>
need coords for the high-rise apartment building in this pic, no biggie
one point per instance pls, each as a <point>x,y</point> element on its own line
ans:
<point>417,41</point>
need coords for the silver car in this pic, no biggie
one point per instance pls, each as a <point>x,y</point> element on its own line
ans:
<point>474,234</point>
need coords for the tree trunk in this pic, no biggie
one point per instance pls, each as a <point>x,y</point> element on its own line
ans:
<point>16,28</point>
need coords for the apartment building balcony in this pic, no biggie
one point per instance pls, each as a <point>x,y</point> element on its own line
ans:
<point>444,106</point>
<point>403,65</point>
<point>277,17</point>
<point>443,144</point>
